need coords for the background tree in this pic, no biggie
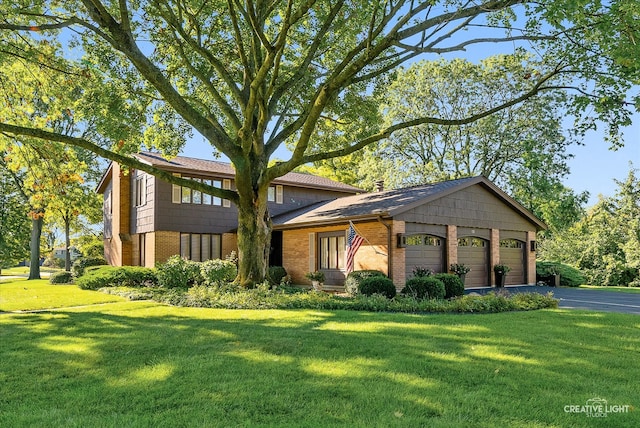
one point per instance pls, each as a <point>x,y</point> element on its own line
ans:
<point>252,76</point>
<point>605,242</point>
<point>14,226</point>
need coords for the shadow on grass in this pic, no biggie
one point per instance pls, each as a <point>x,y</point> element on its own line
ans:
<point>160,366</point>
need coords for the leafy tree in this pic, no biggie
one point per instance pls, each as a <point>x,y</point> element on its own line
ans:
<point>252,76</point>
<point>14,226</point>
<point>605,242</point>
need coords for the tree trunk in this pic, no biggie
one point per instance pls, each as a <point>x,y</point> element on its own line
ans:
<point>36,231</point>
<point>67,244</point>
<point>254,229</point>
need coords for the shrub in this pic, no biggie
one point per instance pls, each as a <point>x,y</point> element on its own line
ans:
<point>276,274</point>
<point>117,276</point>
<point>422,271</point>
<point>424,287</point>
<point>178,272</point>
<point>82,263</point>
<point>93,249</point>
<point>569,276</point>
<point>63,277</point>
<point>377,285</point>
<point>215,271</point>
<point>352,283</point>
<point>453,285</point>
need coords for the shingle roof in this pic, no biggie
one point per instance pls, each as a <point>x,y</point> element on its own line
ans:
<point>387,204</point>
<point>194,165</point>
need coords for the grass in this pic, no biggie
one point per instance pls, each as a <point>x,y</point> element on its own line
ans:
<point>630,290</point>
<point>24,270</point>
<point>144,364</point>
<point>38,294</point>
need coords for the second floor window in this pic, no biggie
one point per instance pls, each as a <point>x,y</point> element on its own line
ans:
<point>139,191</point>
<point>276,194</point>
<point>186,195</point>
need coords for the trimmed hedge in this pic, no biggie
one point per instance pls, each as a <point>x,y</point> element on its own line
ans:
<point>453,285</point>
<point>81,264</point>
<point>117,276</point>
<point>352,283</point>
<point>424,287</point>
<point>377,285</point>
<point>61,278</point>
<point>569,276</point>
<point>276,273</point>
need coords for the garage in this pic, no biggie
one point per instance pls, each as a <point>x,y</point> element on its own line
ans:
<point>474,253</point>
<point>512,254</point>
<point>424,251</point>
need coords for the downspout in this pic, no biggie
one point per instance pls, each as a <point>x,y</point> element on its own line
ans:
<point>389,252</point>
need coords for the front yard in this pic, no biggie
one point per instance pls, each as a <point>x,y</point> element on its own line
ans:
<point>123,363</point>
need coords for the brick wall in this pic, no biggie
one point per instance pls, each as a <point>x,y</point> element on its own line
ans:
<point>531,259</point>
<point>371,255</point>
<point>494,257</point>
<point>166,244</point>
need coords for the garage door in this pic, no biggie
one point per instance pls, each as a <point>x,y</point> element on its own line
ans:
<point>474,253</point>
<point>424,251</point>
<point>512,255</point>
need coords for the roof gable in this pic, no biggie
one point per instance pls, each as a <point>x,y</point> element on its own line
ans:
<point>188,165</point>
<point>392,203</point>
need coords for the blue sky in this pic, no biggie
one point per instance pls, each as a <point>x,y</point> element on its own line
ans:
<point>593,168</point>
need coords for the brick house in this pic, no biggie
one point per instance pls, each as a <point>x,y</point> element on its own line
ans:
<point>468,221</point>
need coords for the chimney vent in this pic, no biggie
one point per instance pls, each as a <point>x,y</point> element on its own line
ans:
<point>379,184</point>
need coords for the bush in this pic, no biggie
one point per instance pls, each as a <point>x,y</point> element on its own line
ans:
<point>81,264</point>
<point>569,276</point>
<point>117,276</point>
<point>422,271</point>
<point>453,285</point>
<point>63,277</point>
<point>178,272</point>
<point>276,274</point>
<point>352,283</point>
<point>215,271</point>
<point>424,287</point>
<point>93,249</point>
<point>377,285</point>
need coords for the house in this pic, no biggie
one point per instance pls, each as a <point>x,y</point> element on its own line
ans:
<point>147,220</point>
<point>468,221</point>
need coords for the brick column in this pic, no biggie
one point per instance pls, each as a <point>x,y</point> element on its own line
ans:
<point>495,252</point>
<point>452,244</point>
<point>397,255</point>
<point>531,259</point>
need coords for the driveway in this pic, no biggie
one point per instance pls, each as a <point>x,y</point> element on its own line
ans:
<point>580,298</point>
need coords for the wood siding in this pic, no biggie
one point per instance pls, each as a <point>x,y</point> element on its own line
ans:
<point>473,207</point>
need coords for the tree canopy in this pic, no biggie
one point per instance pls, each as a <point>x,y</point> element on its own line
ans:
<point>251,76</point>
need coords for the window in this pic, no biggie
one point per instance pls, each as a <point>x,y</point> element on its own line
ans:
<point>199,247</point>
<point>196,195</point>
<point>139,191</point>
<point>226,184</point>
<point>275,194</point>
<point>419,239</point>
<point>331,250</point>
<point>471,242</point>
<point>511,243</point>
<point>185,195</point>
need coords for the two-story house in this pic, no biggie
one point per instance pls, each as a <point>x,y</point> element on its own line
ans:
<point>468,221</point>
<point>147,220</point>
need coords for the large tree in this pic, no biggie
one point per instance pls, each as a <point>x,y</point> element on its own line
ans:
<point>251,76</point>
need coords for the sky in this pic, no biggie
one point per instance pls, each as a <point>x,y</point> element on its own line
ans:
<point>593,168</point>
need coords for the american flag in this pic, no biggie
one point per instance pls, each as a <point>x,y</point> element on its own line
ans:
<point>353,243</point>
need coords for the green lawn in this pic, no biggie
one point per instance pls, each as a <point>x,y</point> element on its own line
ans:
<point>632,290</point>
<point>143,364</point>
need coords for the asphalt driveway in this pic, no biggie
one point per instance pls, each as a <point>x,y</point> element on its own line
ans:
<point>580,298</point>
